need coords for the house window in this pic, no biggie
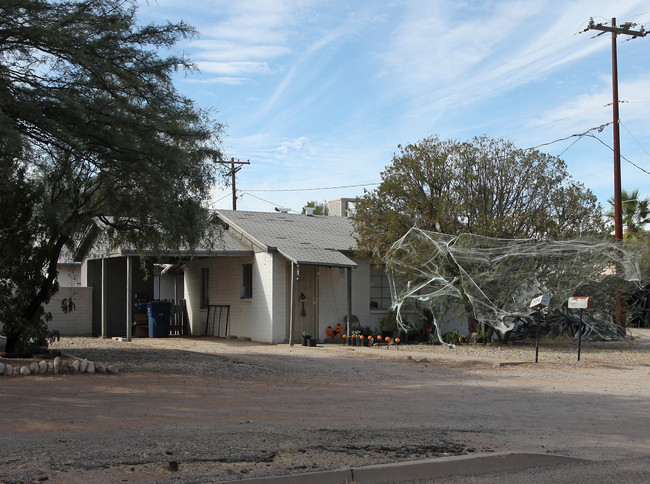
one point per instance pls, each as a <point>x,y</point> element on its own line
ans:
<point>247,281</point>
<point>205,287</point>
<point>379,289</point>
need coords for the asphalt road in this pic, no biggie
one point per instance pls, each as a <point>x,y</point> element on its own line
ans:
<point>234,411</point>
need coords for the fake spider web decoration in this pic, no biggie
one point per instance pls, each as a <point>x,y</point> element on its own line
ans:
<point>494,280</point>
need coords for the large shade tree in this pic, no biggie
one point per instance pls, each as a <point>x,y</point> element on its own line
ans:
<point>485,187</point>
<point>92,133</point>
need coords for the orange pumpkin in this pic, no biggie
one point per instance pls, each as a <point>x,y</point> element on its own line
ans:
<point>379,337</point>
<point>387,338</point>
<point>345,336</point>
<point>361,336</point>
<point>397,340</point>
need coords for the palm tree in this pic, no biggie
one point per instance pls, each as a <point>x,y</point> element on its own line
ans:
<point>635,212</point>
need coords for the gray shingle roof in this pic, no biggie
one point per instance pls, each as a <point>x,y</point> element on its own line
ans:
<point>303,239</point>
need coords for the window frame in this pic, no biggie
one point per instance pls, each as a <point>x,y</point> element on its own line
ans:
<point>379,282</point>
<point>247,281</point>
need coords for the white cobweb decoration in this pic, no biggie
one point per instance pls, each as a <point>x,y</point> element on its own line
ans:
<point>494,280</point>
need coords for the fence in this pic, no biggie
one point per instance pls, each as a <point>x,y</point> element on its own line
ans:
<point>178,318</point>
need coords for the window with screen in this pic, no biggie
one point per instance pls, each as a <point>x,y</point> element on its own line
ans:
<point>379,289</point>
<point>247,281</point>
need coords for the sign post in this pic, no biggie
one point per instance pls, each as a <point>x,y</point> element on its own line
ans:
<point>580,303</point>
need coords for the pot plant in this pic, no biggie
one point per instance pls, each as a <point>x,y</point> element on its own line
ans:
<point>356,336</point>
<point>306,338</point>
<point>388,324</point>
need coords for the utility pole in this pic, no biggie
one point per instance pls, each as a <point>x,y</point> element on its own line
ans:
<point>233,171</point>
<point>624,29</point>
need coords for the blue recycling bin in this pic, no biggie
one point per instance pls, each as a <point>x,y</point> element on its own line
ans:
<point>158,313</point>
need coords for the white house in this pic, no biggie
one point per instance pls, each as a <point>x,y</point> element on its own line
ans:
<point>273,274</point>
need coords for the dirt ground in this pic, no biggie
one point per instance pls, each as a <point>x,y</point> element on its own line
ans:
<point>219,410</point>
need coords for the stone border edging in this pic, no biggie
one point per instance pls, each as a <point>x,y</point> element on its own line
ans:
<point>57,366</point>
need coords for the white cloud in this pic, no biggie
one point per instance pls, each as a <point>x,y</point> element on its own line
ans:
<point>234,68</point>
<point>595,107</point>
<point>295,144</point>
<point>227,50</point>
<point>233,81</point>
<point>441,41</point>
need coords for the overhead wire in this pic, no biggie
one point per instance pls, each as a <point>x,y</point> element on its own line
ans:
<point>632,136</point>
<point>623,157</point>
<point>308,189</point>
<point>578,135</point>
<point>259,198</point>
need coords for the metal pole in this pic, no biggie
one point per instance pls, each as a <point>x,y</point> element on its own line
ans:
<point>579,335</point>
<point>292,316</point>
<point>129,297</point>
<point>349,300</point>
<point>537,340</point>
<point>104,310</point>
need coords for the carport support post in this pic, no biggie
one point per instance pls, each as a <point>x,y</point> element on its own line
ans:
<point>129,296</point>
<point>104,299</point>
<point>349,300</point>
<point>292,317</point>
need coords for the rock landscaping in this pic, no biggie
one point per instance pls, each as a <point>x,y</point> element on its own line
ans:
<point>59,365</point>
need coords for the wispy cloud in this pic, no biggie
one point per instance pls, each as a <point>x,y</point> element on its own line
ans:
<point>234,68</point>
<point>312,52</point>
<point>234,81</point>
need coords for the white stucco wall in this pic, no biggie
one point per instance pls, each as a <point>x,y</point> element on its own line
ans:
<point>264,317</point>
<point>69,275</point>
<point>78,322</point>
<point>248,317</point>
<point>279,310</point>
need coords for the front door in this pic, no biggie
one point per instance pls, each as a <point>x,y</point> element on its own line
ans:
<point>306,318</point>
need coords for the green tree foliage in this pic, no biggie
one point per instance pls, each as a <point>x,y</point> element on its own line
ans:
<point>635,213</point>
<point>484,187</point>
<point>92,131</point>
<point>320,208</point>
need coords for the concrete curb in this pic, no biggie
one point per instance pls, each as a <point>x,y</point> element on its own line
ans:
<point>423,469</point>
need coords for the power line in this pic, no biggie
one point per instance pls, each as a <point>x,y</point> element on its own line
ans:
<point>579,135</point>
<point>637,141</point>
<point>625,158</point>
<point>309,189</point>
<point>267,201</point>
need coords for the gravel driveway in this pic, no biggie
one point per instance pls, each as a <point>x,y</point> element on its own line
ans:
<point>227,410</point>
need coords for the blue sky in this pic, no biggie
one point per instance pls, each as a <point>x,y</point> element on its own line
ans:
<point>320,93</point>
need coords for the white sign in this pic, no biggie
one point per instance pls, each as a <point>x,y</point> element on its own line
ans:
<point>540,302</point>
<point>581,303</point>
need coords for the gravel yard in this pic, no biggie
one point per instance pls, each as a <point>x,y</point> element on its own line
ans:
<point>226,410</point>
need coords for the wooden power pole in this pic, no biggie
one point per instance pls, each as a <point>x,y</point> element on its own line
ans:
<point>624,29</point>
<point>232,173</point>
